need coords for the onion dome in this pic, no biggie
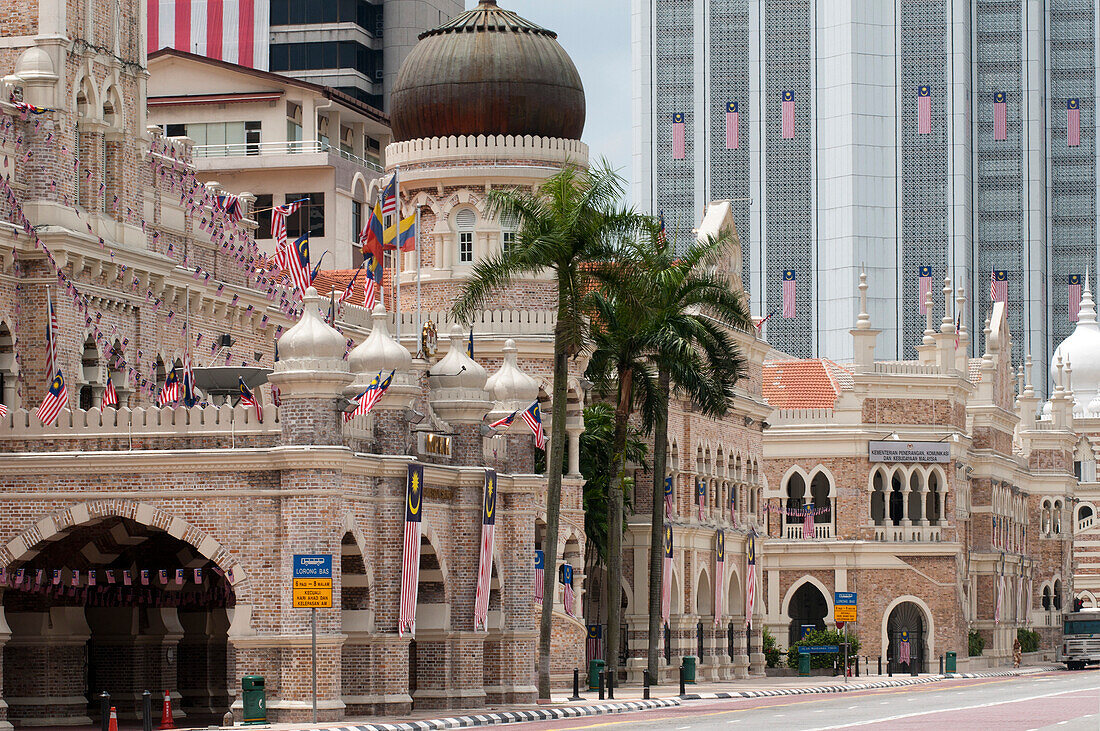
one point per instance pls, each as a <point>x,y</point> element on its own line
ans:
<point>379,352</point>
<point>311,339</point>
<point>1082,348</point>
<point>487,71</point>
<point>457,384</point>
<point>511,388</point>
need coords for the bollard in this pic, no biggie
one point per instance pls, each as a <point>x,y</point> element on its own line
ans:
<point>146,711</point>
<point>857,666</point>
<point>941,664</point>
<point>913,667</point>
<point>645,685</point>
<point>603,679</point>
<point>683,690</point>
<point>576,685</point>
<point>104,710</point>
<point>889,668</point>
<point>880,664</point>
<point>611,685</point>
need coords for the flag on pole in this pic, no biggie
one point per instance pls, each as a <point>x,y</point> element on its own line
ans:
<point>668,495</point>
<point>661,237</point>
<point>410,564</point>
<point>565,576</point>
<point>679,136</point>
<point>924,110</point>
<point>372,285</point>
<point>230,206</point>
<point>371,396</point>
<point>189,397</point>
<point>51,335</point>
<point>750,580</point>
<point>533,418</point>
<point>505,422</point>
<point>1073,122</point>
<point>389,196</point>
<point>406,233</point>
<point>110,395</point>
<point>924,276</point>
<point>540,575</point>
<point>372,235</point>
<point>666,577</point>
<point>1074,296</point>
<point>701,496</point>
<point>279,215</point>
<point>170,391</point>
<point>295,260</point>
<point>485,562</point>
<point>470,344</point>
<point>594,645</point>
<point>1000,116</point>
<point>998,285</point>
<point>249,399</point>
<point>788,115</point>
<point>719,574</point>
<point>788,294</point>
<point>733,126</point>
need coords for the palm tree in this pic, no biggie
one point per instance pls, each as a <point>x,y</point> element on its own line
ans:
<point>573,220</point>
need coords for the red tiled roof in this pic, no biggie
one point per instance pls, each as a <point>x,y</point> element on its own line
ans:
<point>813,383</point>
<point>336,280</point>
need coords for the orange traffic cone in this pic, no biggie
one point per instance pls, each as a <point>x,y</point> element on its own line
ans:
<point>166,714</point>
<point>113,723</point>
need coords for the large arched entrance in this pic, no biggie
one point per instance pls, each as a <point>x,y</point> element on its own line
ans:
<point>115,606</point>
<point>428,650</point>
<point>905,630</point>
<point>807,607</point>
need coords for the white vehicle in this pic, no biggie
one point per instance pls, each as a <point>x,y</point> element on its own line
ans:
<point>1081,640</point>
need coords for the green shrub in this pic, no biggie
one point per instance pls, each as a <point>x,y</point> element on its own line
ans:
<point>824,637</point>
<point>771,652</point>
<point>975,643</point>
<point>1029,640</point>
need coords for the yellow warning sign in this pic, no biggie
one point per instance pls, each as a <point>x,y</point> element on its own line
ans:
<point>312,593</point>
<point>844,613</point>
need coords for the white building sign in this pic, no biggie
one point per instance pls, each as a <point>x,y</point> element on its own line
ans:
<point>899,451</point>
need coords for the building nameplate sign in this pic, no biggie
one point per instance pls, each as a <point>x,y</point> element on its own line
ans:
<point>899,451</point>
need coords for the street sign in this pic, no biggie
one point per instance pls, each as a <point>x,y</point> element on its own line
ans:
<point>842,613</point>
<point>844,598</point>
<point>818,649</point>
<point>312,587</point>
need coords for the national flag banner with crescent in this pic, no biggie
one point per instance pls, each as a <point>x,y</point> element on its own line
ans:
<point>788,294</point>
<point>110,395</point>
<point>533,419</point>
<point>666,577</point>
<point>170,391</point>
<point>679,136</point>
<point>540,575</point>
<point>750,579</point>
<point>504,422</point>
<point>719,573</point>
<point>701,497</point>
<point>485,563</point>
<point>788,115</point>
<point>410,562</point>
<point>1074,296</point>
<point>668,495</point>
<point>279,214</point>
<point>565,576</point>
<point>905,651</point>
<point>808,521</point>
<point>998,285</point>
<point>55,399</point>
<point>924,277</point>
<point>1073,122</point>
<point>372,285</point>
<point>733,126</point>
<point>249,399</point>
<point>594,645</point>
<point>924,109</point>
<point>295,260</point>
<point>1000,116</point>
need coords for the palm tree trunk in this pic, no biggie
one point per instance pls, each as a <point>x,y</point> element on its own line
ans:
<point>553,501</point>
<point>657,522</point>
<point>615,523</point>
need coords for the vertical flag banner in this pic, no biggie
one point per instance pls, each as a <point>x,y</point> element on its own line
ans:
<point>485,563</point>
<point>808,521</point>
<point>905,652</point>
<point>51,336</point>
<point>924,110</point>
<point>668,495</point>
<point>998,285</point>
<point>295,260</point>
<point>679,136</point>
<point>750,579</point>
<point>666,578</point>
<point>1074,296</point>
<point>1073,122</point>
<point>788,294</point>
<point>594,644</point>
<point>701,497</point>
<point>1000,116</point>
<point>788,115</point>
<point>733,126</point>
<point>567,594</point>
<point>924,275</point>
<point>410,563</point>
<point>540,575</point>
<point>237,31</point>
<point>719,573</point>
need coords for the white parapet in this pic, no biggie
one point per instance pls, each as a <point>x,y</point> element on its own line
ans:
<point>143,422</point>
<point>492,148</point>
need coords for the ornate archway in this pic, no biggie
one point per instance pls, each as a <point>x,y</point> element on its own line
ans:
<point>907,635</point>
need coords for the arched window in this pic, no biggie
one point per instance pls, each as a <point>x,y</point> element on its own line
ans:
<point>1056,517</point>
<point>796,499</point>
<point>89,361</point>
<point>1046,598</point>
<point>878,498</point>
<point>1044,518</point>
<point>897,507</point>
<point>465,220</point>
<point>8,376</point>
<point>1056,595</point>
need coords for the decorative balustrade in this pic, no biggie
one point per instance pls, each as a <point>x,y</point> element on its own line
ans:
<point>801,416</point>
<point>108,423</point>
<point>794,531</point>
<point>1085,523</point>
<point>496,322</point>
<point>908,534</point>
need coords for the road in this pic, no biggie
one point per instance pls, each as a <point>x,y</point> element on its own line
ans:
<point>1056,700</point>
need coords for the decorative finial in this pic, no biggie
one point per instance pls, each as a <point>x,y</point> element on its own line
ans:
<point>948,323</point>
<point>1087,313</point>
<point>863,321</point>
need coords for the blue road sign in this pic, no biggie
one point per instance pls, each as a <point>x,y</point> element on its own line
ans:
<point>312,566</point>
<point>818,649</point>
<point>844,598</point>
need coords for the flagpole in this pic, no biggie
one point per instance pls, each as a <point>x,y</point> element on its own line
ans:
<point>419,317</point>
<point>397,252</point>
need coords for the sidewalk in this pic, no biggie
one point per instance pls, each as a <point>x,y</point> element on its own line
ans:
<point>628,699</point>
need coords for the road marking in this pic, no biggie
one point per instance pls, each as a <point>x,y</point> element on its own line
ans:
<point>681,728</point>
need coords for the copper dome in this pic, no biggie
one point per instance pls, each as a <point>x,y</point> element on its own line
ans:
<point>487,71</point>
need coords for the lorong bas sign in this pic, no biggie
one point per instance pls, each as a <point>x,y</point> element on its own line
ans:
<point>312,581</point>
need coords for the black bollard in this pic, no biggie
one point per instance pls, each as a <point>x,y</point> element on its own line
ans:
<point>611,686</point>
<point>645,685</point>
<point>913,667</point>
<point>146,711</point>
<point>683,690</point>
<point>941,664</point>
<point>576,686</point>
<point>104,710</point>
<point>603,679</point>
<point>889,668</point>
<point>880,664</point>
<point>857,666</point>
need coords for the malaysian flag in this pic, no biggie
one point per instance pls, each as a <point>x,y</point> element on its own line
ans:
<point>1000,116</point>
<point>230,206</point>
<point>924,276</point>
<point>540,575</point>
<point>719,572</point>
<point>533,419</point>
<point>110,395</point>
<point>924,110</point>
<point>701,496</point>
<point>371,396</point>
<point>998,285</point>
<point>750,580</point>
<point>594,645</point>
<point>295,260</point>
<point>808,521</point>
<point>567,595</point>
<point>189,397</point>
<point>679,136</point>
<point>788,294</point>
<point>389,196</point>
<point>661,236</point>
<point>505,422</point>
<point>3,410</point>
<point>788,115</point>
<point>236,31</point>
<point>51,335</point>
<point>666,577</point>
<point>1074,296</point>
<point>372,285</point>
<point>170,391</point>
<point>249,399</point>
<point>668,495</point>
<point>485,563</point>
<point>904,651</point>
<point>1073,122</point>
<point>733,126</point>
<point>279,215</point>
<point>410,562</point>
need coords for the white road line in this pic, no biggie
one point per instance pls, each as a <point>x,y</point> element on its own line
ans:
<point>949,710</point>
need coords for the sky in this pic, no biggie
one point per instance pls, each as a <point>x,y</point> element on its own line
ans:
<point>596,35</point>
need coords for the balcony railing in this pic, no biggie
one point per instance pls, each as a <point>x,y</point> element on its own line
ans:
<point>1085,523</point>
<point>302,147</point>
<point>793,531</point>
<point>907,534</point>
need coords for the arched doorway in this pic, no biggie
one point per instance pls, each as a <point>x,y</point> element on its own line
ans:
<point>428,649</point>
<point>905,630</point>
<point>807,607</point>
<point>116,606</point>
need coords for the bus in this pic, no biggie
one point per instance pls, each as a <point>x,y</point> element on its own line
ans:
<point>1081,639</point>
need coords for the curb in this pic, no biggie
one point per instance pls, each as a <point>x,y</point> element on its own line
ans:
<point>492,719</point>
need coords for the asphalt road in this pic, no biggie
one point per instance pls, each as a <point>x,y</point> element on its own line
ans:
<point>1057,700</point>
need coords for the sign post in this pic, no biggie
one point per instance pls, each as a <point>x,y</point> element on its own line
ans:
<point>312,589</point>
<point>845,610</point>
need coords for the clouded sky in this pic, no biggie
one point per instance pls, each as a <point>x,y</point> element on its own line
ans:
<point>596,34</point>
